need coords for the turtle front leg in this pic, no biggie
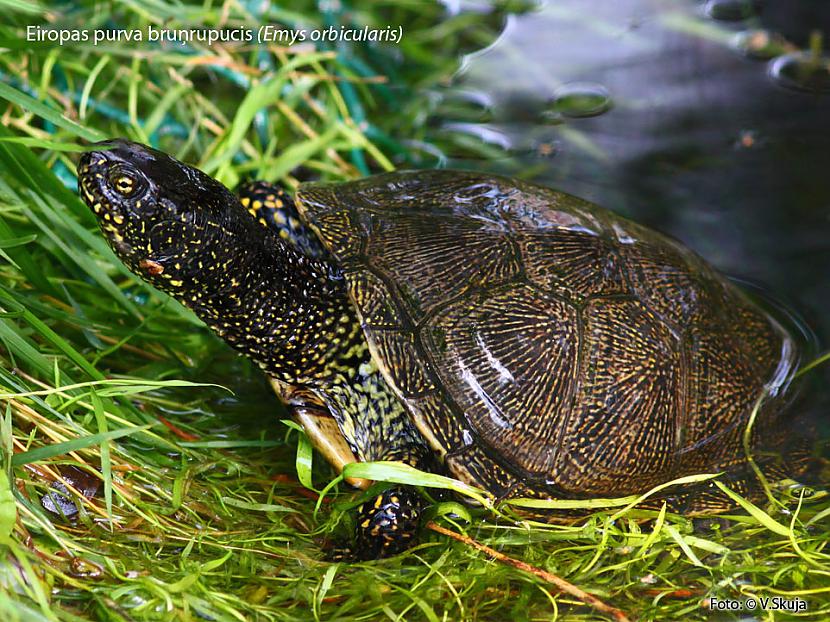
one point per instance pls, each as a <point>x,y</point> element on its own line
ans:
<point>274,209</point>
<point>388,525</point>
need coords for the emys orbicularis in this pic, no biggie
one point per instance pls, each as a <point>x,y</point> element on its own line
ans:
<point>512,336</point>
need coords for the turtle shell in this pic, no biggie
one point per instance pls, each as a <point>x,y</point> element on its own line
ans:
<point>544,345</point>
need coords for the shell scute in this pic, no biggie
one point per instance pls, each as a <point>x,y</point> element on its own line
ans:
<point>402,363</point>
<point>475,467</point>
<point>340,234</point>
<point>511,359</point>
<point>573,263</point>
<point>377,308</point>
<point>628,399</point>
<point>432,259</point>
<point>671,280</point>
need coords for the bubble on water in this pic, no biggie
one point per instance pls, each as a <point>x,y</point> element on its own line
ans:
<point>466,105</point>
<point>801,71</point>
<point>730,10</point>
<point>579,99</point>
<point>486,133</point>
<point>762,44</point>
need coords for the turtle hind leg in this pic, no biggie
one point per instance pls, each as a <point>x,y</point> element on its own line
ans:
<point>275,209</point>
<point>388,524</point>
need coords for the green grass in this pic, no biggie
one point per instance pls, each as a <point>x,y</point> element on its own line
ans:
<point>194,506</point>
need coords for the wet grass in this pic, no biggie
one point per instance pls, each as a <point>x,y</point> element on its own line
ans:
<point>182,487</point>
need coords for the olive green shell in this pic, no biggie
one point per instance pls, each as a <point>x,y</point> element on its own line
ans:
<point>544,345</point>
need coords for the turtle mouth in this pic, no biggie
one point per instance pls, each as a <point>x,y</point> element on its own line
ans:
<point>94,171</point>
<point>88,169</point>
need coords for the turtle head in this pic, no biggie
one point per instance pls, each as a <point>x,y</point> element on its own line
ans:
<point>162,218</point>
<point>186,234</point>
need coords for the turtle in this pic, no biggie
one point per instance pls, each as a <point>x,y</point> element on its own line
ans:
<point>511,336</point>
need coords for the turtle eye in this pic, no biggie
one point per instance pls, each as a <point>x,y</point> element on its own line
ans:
<point>124,183</point>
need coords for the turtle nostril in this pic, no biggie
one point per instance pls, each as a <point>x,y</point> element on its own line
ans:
<point>92,163</point>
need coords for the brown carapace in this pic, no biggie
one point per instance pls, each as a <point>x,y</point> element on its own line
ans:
<point>543,345</point>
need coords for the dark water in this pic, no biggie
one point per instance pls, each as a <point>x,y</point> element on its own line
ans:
<point>708,129</point>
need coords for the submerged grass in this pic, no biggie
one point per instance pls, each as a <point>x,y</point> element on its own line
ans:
<point>135,487</point>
